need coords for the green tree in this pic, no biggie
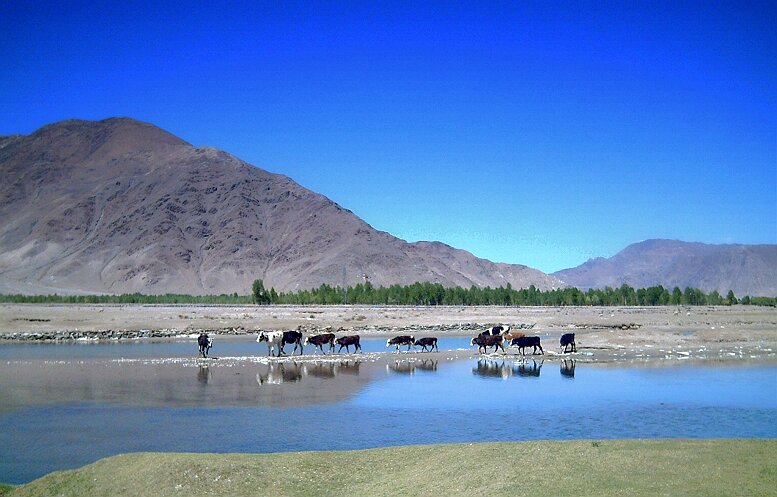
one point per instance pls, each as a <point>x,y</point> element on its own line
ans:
<point>259,294</point>
<point>731,298</point>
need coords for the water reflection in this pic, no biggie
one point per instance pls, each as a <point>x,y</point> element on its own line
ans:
<point>320,369</point>
<point>174,384</point>
<point>401,367</point>
<point>493,368</point>
<point>348,367</point>
<point>427,365</point>
<point>409,366</point>
<point>203,374</point>
<point>568,368</point>
<point>505,368</point>
<point>528,368</point>
<point>275,373</point>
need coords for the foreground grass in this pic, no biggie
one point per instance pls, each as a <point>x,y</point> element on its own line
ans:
<point>610,467</point>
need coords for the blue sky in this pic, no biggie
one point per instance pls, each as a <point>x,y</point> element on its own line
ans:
<point>539,133</point>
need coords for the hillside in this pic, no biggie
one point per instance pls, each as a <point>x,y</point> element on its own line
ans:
<point>745,269</point>
<point>119,206</point>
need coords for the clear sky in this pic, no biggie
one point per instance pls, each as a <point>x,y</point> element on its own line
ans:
<point>539,133</point>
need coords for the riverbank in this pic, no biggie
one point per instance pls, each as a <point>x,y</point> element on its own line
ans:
<point>588,467</point>
<point>742,333</point>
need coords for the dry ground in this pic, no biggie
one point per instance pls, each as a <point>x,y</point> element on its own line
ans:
<point>603,333</point>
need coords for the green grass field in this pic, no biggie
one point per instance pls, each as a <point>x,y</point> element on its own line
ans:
<point>552,468</point>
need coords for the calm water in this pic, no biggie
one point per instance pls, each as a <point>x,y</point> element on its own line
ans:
<point>63,406</point>
<point>185,348</point>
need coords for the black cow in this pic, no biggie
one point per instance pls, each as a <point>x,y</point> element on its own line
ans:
<point>427,342</point>
<point>347,341</point>
<point>523,342</point>
<point>294,337</point>
<point>485,341</point>
<point>205,343</point>
<point>401,340</point>
<point>568,339</point>
<point>321,340</point>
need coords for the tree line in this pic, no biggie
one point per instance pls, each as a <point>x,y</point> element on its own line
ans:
<point>422,294</point>
<point>436,294</point>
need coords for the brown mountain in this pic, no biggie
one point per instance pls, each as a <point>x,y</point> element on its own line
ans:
<point>745,269</point>
<point>123,206</point>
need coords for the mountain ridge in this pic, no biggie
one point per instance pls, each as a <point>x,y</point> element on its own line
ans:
<point>744,269</point>
<point>119,205</point>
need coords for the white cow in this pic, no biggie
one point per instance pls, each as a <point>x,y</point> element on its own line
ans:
<point>273,339</point>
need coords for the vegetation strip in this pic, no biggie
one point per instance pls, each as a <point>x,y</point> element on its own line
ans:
<point>419,294</point>
<point>560,468</point>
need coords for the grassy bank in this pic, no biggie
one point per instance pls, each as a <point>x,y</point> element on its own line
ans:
<point>608,467</point>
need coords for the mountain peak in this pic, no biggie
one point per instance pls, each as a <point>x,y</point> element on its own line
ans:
<point>112,136</point>
<point>745,269</point>
<point>119,205</point>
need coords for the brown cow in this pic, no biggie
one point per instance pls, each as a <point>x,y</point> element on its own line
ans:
<point>485,341</point>
<point>321,340</point>
<point>347,341</point>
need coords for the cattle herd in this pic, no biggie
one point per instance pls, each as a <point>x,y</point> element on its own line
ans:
<point>497,337</point>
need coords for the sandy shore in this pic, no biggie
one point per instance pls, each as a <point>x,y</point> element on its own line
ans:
<point>603,333</point>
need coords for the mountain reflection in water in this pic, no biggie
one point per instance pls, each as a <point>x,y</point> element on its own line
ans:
<point>221,383</point>
<point>58,414</point>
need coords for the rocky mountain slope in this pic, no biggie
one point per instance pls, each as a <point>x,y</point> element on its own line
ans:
<point>122,206</point>
<point>745,269</point>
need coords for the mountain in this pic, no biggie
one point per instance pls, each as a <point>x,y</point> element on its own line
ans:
<point>122,206</point>
<point>745,269</point>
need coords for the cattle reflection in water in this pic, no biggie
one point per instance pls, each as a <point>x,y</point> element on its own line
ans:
<point>348,367</point>
<point>410,366</point>
<point>320,369</point>
<point>528,369</point>
<point>203,374</point>
<point>276,373</point>
<point>568,368</point>
<point>493,368</point>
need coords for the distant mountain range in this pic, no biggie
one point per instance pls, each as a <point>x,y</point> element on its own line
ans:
<point>119,206</point>
<point>745,269</point>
